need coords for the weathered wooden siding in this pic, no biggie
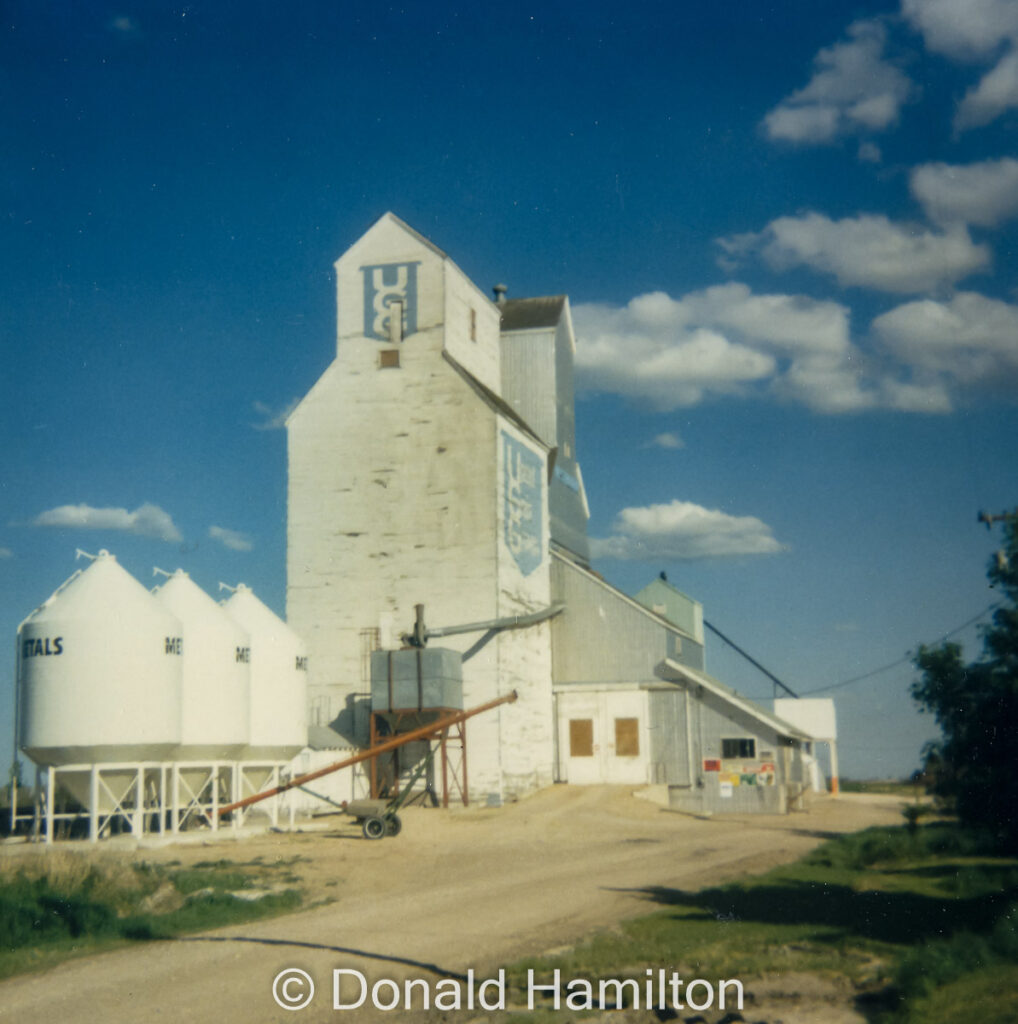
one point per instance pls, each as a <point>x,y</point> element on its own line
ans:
<point>395,498</point>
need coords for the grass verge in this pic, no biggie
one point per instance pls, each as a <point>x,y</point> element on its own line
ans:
<point>65,904</point>
<point>912,924</point>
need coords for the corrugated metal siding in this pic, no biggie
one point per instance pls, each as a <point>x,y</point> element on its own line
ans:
<point>674,605</point>
<point>715,720</point>
<point>669,759</point>
<point>686,652</point>
<point>528,380</point>
<point>537,382</point>
<point>565,427</point>
<point>568,510</point>
<point>601,638</point>
<point>568,520</point>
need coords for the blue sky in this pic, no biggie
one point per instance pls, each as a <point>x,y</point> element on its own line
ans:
<point>788,232</point>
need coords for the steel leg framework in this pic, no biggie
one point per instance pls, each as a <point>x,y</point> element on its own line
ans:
<point>156,798</point>
<point>436,728</point>
<point>144,798</point>
<point>450,744</point>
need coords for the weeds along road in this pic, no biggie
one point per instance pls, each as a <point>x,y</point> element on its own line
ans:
<point>472,888</point>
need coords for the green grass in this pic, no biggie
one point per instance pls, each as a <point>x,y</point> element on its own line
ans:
<point>208,910</point>
<point>908,916</point>
<point>61,905</point>
<point>988,995</point>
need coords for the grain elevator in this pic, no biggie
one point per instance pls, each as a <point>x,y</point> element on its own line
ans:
<point>413,480</point>
<point>434,462</point>
<point>434,492</point>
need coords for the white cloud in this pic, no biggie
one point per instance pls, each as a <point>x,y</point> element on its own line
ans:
<point>682,530</point>
<point>123,25</point>
<point>811,123</point>
<point>625,351</point>
<point>930,396</point>
<point>273,419</point>
<point>984,193</point>
<point>867,251</point>
<point>231,539</point>
<point>786,346</point>
<point>974,30</point>
<point>996,93</point>
<point>146,521</point>
<point>720,341</point>
<point>791,323</point>
<point>963,29</point>
<point>967,341</point>
<point>869,153</point>
<point>6,553</point>
<point>853,89</point>
<point>827,385</point>
<point>805,348</point>
<point>669,441</point>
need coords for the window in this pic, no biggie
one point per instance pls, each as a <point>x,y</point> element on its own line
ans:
<point>473,324</point>
<point>627,737</point>
<point>735,748</point>
<point>388,359</point>
<point>581,737</point>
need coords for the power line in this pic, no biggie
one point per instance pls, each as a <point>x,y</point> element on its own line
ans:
<point>906,658</point>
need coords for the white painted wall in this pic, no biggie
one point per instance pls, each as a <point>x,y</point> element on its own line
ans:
<point>814,715</point>
<point>602,706</point>
<point>396,497</point>
<point>524,585</point>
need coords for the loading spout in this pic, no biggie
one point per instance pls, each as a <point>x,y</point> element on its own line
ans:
<point>421,635</point>
<point>424,732</point>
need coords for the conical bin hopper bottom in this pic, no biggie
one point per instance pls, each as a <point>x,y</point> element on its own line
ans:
<point>115,785</point>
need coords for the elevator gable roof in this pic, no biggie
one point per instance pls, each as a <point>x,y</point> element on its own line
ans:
<point>532,314</point>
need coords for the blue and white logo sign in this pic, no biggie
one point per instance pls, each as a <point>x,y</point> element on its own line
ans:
<point>385,285</point>
<point>522,510</point>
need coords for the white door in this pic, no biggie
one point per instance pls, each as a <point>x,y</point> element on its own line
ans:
<point>580,736</point>
<point>602,737</point>
<point>623,726</point>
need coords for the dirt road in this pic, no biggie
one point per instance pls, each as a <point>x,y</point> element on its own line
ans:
<point>473,888</point>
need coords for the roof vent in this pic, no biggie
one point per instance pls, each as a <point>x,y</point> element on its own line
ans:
<point>500,290</point>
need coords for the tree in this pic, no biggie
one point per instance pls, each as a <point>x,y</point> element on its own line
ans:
<point>975,764</point>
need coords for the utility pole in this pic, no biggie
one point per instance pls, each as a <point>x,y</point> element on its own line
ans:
<point>989,518</point>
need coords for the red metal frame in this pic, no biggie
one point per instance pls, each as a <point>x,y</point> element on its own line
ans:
<point>425,732</point>
<point>452,750</point>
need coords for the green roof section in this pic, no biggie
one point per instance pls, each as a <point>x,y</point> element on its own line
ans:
<point>669,602</point>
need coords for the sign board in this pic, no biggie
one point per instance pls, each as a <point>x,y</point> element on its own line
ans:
<point>389,286</point>
<point>523,482</point>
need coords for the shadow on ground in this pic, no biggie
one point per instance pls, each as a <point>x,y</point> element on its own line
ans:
<point>895,917</point>
<point>345,950</point>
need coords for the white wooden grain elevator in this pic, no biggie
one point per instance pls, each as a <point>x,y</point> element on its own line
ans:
<point>434,462</point>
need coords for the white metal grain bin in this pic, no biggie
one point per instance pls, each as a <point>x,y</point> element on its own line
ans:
<point>278,680</point>
<point>99,672</point>
<point>215,715</point>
